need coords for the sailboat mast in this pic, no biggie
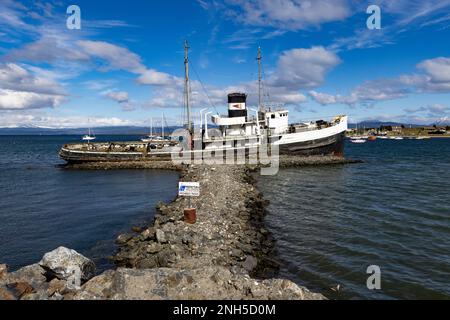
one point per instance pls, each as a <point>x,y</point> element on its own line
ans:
<point>259,58</point>
<point>187,86</point>
<point>162,126</point>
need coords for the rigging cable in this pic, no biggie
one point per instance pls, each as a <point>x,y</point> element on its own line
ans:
<point>204,89</point>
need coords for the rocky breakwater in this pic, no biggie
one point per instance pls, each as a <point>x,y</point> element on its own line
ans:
<point>229,230</point>
<point>227,248</point>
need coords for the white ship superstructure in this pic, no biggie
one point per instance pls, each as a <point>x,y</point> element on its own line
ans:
<point>241,128</point>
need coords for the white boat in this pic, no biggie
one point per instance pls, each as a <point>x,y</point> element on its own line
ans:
<point>358,141</point>
<point>150,138</point>
<point>89,137</point>
<point>239,131</point>
<point>156,139</point>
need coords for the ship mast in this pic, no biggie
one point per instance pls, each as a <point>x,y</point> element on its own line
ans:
<point>187,86</point>
<point>259,58</point>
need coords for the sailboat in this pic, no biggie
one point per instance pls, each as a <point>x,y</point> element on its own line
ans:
<point>150,138</point>
<point>89,137</point>
<point>156,139</point>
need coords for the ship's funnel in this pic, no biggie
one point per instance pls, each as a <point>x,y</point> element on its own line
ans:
<point>237,105</point>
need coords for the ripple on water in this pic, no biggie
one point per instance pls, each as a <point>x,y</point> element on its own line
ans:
<point>43,207</point>
<point>331,223</point>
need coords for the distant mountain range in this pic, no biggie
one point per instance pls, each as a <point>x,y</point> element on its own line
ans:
<point>131,130</point>
<point>377,124</point>
<point>126,130</point>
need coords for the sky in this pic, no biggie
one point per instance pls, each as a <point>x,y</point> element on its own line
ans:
<point>125,65</point>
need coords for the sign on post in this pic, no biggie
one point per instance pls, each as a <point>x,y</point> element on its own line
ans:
<point>189,189</point>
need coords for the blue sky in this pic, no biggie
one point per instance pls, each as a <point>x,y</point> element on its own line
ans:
<point>125,65</point>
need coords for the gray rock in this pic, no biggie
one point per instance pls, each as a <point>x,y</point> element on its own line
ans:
<point>250,263</point>
<point>160,236</point>
<point>148,234</point>
<point>65,263</point>
<point>154,247</point>
<point>148,263</point>
<point>123,238</point>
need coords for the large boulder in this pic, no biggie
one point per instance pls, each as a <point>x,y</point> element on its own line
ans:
<point>67,264</point>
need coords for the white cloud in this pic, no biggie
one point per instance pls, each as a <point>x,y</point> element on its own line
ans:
<point>324,98</point>
<point>296,69</point>
<point>18,100</point>
<point>368,93</point>
<point>288,14</point>
<point>402,15</point>
<point>52,46</point>
<point>433,110</point>
<point>248,37</point>
<point>21,89</point>
<point>98,85</point>
<point>435,77</point>
<point>15,77</point>
<point>12,15</point>
<point>438,69</point>
<point>118,58</point>
<point>156,78</point>
<point>122,98</point>
<point>303,68</point>
<point>118,96</point>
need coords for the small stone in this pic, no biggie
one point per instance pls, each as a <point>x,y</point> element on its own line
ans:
<point>137,229</point>
<point>3,270</point>
<point>154,248</point>
<point>186,239</point>
<point>250,263</point>
<point>148,234</point>
<point>236,253</point>
<point>57,297</point>
<point>161,236</point>
<point>123,238</point>
<point>149,263</point>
